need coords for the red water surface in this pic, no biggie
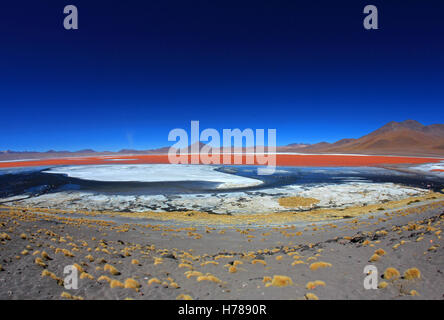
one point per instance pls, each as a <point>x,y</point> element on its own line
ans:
<point>281,160</point>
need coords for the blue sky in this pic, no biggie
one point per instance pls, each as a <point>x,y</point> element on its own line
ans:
<point>134,70</point>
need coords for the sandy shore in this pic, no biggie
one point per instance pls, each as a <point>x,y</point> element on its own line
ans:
<point>177,258</point>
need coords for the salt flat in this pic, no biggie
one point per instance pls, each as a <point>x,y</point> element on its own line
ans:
<point>156,173</point>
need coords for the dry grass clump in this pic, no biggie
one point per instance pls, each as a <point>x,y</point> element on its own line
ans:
<point>380,252</point>
<point>46,273</point>
<point>111,269</point>
<point>4,236</point>
<point>280,281</point>
<point>313,284</point>
<point>90,258</point>
<point>311,296</point>
<point>320,264</point>
<point>40,262</point>
<point>69,296</point>
<point>412,273</point>
<point>296,262</point>
<point>237,262</point>
<point>232,269</point>
<point>86,275</point>
<point>190,274</point>
<point>209,262</point>
<point>154,280</point>
<point>256,261</point>
<point>209,277</point>
<point>382,285</point>
<point>267,279</point>
<point>292,202</point>
<point>104,278</point>
<point>391,274</point>
<point>116,284</point>
<point>135,262</point>
<point>183,297</point>
<point>45,255</point>
<point>414,293</point>
<point>132,284</point>
<point>65,252</point>
<point>375,257</point>
<point>78,267</point>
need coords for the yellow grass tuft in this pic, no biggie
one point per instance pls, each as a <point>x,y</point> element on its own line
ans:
<point>66,252</point>
<point>135,262</point>
<point>391,274</point>
<point>111,269</point>
<point>313,284</point>
<point>320,264</point>
<point>382,285</point>
<point>256,261</point>
<point>132,284</point>
<point>412,273</point>
<point>104,278</point>
<point>90,258</point>
<point>183,297</point>
<point>380,252</point>
<point>86,275</point>
<point>45,255</point>
<point>296,262</point>
<point>375,257</point>
<point>209,278</point>
<point>232,269</point>
<point>116,284</point>
<point>78,267</point>
<point>266,279</point>
<point>237,262</point>
<point>190,274</point>
<point>153,280</point>
<point>209,262</point>
<point>67,295</point>
<point>40,262</point>
<point>4,236</point>
<point>414,293</point>
<point>280,281</point>
<point>311,296</point>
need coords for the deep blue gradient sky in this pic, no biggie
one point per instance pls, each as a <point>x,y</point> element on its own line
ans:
<point>134,70</point>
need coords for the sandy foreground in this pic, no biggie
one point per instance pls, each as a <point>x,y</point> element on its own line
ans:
<point>123,257</point>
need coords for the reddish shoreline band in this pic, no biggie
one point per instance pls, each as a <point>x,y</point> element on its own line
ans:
<point>281,160</point>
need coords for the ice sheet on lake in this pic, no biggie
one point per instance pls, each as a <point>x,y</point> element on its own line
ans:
<point>156,173</point>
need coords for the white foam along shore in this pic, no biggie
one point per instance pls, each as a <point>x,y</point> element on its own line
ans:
<point>156,173</point>
<point>429,168</point>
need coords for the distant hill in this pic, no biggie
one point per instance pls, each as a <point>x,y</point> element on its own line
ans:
<point>408,137</point>
<point>398,138</point>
